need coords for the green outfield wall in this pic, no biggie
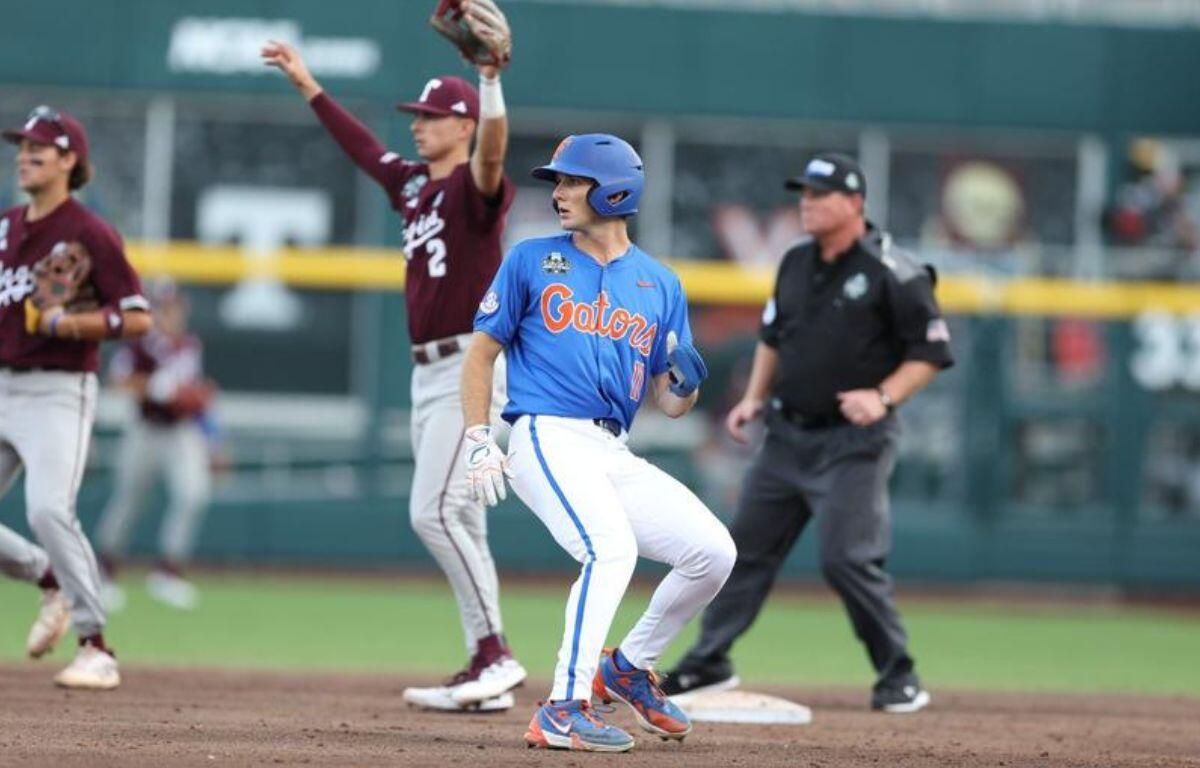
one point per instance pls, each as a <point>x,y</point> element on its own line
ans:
<point>1062,447</point>
<point>620,58</point>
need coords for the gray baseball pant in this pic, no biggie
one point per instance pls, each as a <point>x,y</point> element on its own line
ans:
<point>840,476</point>
<point>45,427</point>
<point>179,453</point>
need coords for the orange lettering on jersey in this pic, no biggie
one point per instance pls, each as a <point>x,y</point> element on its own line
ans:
<point>560,312</point>
<point>557,323</point>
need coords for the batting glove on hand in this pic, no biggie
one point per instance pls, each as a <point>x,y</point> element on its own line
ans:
<point>486,465</point>
<point>687,367</point>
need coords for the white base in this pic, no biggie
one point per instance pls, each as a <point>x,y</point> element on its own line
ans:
<point>742,707</point>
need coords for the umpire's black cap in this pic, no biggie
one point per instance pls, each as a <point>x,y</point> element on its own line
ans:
<point>831,172</point>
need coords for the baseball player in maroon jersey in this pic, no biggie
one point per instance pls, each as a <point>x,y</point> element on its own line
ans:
<point>164,373</point>
<point>453,201</point>
<point>48,359</point>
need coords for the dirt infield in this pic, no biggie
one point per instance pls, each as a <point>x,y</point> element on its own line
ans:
<point>163,717</point>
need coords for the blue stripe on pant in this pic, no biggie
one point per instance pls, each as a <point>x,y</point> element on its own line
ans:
<point>587,565</point>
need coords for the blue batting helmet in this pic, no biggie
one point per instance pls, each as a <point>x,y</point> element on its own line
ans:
<point>605,159</point>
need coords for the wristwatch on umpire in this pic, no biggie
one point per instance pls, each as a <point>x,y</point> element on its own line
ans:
<point>886,399</point>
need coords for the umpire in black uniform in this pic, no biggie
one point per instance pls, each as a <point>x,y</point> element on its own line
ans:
<point>851,332</point>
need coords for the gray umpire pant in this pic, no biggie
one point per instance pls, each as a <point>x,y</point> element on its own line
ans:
<point>839,474</point>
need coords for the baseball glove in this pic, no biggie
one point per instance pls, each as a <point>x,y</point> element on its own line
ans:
<point>59,280</point>
<point>192,399</point>
<point>477,28</point>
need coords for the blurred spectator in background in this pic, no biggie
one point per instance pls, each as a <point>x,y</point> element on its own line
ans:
<point>173,435</point>
<point>1150,209</point>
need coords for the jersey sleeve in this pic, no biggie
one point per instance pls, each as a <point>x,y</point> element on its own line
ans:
<point>918,321</point>
<point>503,305</point>
<point>114,278</point>
<point>388,169</point>
<point>676,320</point>
<point>482,209</point>
<point>769,331</point>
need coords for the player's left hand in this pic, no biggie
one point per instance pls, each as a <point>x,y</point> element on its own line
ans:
<point>486,465</point>
<point>478,28</point>
<point>687,367</point>
<point>862,407</point>
<point>37,320</point>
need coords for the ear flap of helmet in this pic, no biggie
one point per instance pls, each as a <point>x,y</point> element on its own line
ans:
<point>626,195</point>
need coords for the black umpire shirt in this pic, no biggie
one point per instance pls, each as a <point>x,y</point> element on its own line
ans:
<point>849,324</point>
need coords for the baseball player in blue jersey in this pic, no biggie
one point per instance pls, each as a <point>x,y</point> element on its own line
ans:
<point>589,322</point>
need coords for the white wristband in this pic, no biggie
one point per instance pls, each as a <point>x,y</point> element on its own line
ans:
<point>491,98</point>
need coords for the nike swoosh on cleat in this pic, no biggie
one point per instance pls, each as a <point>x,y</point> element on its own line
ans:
<point>563,728</point>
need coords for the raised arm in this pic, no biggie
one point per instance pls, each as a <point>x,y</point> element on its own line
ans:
<point>491,138</point>
<point>355,139</point>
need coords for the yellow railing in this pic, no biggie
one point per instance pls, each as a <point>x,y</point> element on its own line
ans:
<point>705,282</point>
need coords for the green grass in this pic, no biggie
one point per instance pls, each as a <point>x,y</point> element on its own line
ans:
<point>411,626</point>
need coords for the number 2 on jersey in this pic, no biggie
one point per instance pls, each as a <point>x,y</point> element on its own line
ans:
<point>436,248</point>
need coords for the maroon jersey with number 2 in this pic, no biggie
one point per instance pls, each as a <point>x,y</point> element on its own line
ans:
<point>452,230</point>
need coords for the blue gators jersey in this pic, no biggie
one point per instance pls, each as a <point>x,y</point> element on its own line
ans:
<point>582,339</point>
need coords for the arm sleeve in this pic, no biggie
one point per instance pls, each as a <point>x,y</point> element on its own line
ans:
<point>357,141</point>
<point>116,282</point>
<point>918,322</point>
<point>676,319</point>
<point>503,305</point>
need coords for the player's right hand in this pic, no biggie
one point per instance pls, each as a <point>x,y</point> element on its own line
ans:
<point>745,411</point>
<point>288,60</point>
<point>486,465</point>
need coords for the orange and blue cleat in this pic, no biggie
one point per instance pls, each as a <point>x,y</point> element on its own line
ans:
<point>639,689</point>
<point>575,725</point>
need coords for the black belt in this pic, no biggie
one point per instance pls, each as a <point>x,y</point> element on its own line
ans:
<point>611,426</point>
<point>424,354</point>
<point>813,420</point>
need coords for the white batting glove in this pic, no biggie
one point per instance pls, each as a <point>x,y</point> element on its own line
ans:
<point>486,465</point>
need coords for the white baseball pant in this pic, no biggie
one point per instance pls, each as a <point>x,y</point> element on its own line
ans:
<point>605,507</point>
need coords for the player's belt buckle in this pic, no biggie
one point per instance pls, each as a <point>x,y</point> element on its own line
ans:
<point>612,426</point>
<point>432,351</point>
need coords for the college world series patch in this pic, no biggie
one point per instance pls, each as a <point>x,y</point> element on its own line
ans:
<point>555,264</point>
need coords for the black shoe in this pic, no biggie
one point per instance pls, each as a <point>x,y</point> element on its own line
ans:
<point>901,699</point>
<point>682,681</point>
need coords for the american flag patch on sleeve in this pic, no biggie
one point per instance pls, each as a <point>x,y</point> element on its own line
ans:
<point>937,330</point>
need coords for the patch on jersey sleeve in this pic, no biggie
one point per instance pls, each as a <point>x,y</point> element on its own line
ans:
<point>937,330</point>
<point>490,303</point>
<point>388,157</point>
<point>768,315</point>
<point>555,264</point>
